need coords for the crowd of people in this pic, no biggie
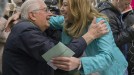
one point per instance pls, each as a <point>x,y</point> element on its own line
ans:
<point>101,37</point>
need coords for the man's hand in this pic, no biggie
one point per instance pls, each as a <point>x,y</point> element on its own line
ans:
<point>97,29</point>
<point>66,63</point>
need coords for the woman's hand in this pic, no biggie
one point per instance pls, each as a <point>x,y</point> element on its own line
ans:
<point>66,63</point>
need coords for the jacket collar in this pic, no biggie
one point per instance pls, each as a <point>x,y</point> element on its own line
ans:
<point>108,6</point>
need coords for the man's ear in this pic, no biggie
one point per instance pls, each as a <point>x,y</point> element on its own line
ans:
<point>32,16</point>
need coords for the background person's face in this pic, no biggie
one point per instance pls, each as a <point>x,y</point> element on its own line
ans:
<point>123,4</point>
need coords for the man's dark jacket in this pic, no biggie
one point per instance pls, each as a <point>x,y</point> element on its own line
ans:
<point>122,33</point>
<point>128,18</point>
<point>24,47</point>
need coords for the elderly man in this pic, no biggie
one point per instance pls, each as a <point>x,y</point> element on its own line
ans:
<point>27,42</point>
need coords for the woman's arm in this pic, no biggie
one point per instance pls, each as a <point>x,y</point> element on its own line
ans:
<point>56,22</point>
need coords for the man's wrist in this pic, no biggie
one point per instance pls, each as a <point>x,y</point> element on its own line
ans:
<point>79,67</point>
<point>88,38</point>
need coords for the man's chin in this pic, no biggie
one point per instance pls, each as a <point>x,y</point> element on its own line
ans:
<point>47,26</point>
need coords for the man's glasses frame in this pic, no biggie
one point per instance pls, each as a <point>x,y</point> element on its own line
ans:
<point>44,9</point>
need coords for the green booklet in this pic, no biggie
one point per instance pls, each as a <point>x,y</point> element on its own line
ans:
<point>57,51</point>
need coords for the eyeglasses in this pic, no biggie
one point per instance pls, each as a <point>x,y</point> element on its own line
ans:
<point>44,9</point>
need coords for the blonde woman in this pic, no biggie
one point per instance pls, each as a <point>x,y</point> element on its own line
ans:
<point>103,56</point>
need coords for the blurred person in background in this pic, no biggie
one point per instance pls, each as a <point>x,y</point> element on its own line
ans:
<point>2,33</point>
<point>122,35</point>
<point>18,4</point>
<point>2,6</point>
<point>128,19</point>
<point>13,18</point>
<point>3,37</point>
<point>9,7</point>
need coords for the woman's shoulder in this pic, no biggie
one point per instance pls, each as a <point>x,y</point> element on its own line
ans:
<point>100,18</point>
<point>56,21</point>
<point>105,20</point>
<point>57,17</point>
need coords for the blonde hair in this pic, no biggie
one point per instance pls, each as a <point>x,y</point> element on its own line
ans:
<point>82,12</point>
